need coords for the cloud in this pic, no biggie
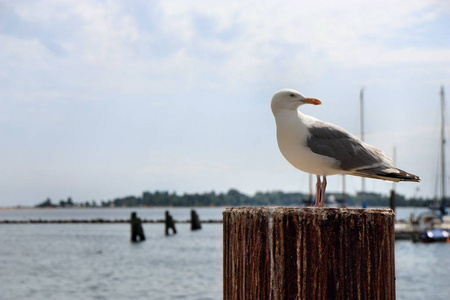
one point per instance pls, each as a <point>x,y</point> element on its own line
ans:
<point>197,76</point>
<point>211,42</point>
<point>343,31</point>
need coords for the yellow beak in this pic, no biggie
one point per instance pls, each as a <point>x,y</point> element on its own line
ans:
<point>312,101</point>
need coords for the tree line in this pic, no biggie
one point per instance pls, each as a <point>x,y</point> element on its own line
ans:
<point>235,198</point>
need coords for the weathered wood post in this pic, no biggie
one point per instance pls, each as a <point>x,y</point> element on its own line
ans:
<point>169,223</point>
<point>136,228</point>
<point>195,221</point>
<point>308,253</point>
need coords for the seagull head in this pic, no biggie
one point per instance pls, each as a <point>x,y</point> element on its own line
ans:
<point>290,99</point>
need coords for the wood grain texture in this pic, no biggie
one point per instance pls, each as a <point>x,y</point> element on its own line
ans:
<point>308,253</point>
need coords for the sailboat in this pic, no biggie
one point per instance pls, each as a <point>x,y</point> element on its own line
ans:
<point>439,206</point>
<point>438,211</point>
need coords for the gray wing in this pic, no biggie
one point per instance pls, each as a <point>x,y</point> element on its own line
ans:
<point>330,140</point>
<point>355,157</point>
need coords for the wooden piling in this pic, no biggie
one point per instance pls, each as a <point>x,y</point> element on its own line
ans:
<point>169,223</point>
<point>195,221</point>
<point>137,232</point>
<point>308,253</point>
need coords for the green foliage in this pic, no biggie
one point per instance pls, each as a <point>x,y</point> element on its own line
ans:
<point>46,203</point>
<point>235,198</point>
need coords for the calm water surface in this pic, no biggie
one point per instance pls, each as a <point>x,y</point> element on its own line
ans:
<point>83,261</point>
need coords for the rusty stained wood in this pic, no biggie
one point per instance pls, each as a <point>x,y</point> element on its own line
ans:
<point>308,253</point>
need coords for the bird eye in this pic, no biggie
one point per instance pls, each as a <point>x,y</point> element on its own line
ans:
<point>291,95</point>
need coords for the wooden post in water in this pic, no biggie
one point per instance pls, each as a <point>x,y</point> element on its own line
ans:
<point>308,253</point>
<point>136,228</point>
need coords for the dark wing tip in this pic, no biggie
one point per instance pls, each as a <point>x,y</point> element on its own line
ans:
<point>404,176</point>
<point>391,174</point>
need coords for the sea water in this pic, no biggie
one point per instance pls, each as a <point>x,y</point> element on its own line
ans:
<point>98,261</point>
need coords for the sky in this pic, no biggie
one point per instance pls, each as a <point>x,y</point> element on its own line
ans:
<point>105,99</point>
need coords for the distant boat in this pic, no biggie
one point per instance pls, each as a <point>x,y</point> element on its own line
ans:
<point>427,224</point>
<point>435,235</point>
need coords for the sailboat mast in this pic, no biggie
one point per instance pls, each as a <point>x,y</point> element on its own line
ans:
<point>443,175</point>
<point>394,160</point>
<point>361,104</point>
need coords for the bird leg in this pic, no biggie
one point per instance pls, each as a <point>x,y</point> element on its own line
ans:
<point>323,186</point>
<point>318,188</point>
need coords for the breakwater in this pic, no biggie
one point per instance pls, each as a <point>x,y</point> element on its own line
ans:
<point>97,221</point>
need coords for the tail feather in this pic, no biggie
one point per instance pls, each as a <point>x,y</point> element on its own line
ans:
<point>391,174</point>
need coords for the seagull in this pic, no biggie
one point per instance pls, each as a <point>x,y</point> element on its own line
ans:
<point>325,149</point>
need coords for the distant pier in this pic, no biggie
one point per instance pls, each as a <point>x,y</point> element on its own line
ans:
<point>98,221</point>
<point>403,230</point>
